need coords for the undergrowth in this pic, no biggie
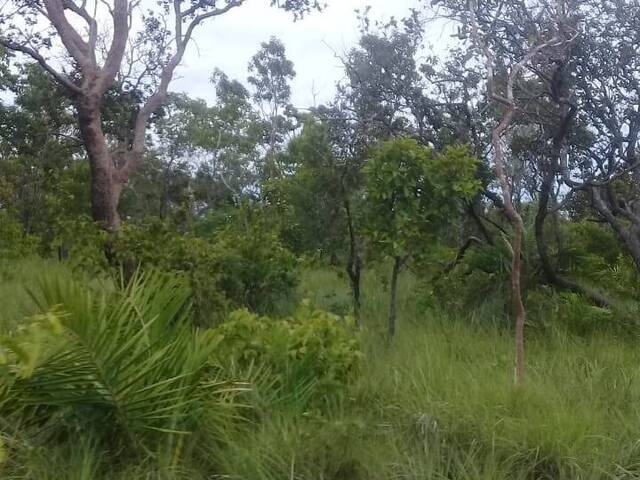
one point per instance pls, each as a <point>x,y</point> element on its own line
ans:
<point>437,403</point>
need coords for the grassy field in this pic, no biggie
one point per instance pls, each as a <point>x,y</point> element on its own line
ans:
<point>436,403</point>
<point>445,405</point>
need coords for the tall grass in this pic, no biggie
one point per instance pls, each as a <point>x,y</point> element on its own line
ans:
<point>445,395</point>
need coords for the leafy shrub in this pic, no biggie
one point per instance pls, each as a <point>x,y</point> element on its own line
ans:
<point>311,346</point>
<point>257,270</point>
<point>158,246</point>
<point>568,311</point>
<point>232,270</point>
<point>80,241</point>
<point>623,278</point>
<point>13,242</point>
<point>588,240</point>
<point>479,280</point>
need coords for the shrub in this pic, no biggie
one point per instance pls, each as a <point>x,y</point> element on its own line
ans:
<point>310,347</point>
<point>14,243</point>
<point>231,270</point>
<point>567,311</point>
<point>81,241</point>
<point>157,245</point>
<point>478,281</point>
<point>258,272</point>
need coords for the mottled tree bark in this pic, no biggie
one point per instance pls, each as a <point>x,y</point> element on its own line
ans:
<point>105,192</point>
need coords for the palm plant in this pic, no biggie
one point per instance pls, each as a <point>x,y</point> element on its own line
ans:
<point>122,363</point>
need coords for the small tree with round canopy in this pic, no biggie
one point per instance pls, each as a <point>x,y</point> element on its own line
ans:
<point>411,193</point>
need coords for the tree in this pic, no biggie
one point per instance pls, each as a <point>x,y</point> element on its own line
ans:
<point>604,166</point>
<point>388,90</point>
<point>348,151</point>
<point>509,37</point>
<point>310,196</point>
<point>144,63</point>
<point>269,74</point>
<point>227,137</point>
<point>39,150</point>
<point>411,192</point>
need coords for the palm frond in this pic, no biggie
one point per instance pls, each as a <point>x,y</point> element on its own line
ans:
<point>126,358</point>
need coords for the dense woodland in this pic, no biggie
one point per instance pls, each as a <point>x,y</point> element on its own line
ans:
<point>434,275</point>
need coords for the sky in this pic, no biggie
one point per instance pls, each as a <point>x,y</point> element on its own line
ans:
<point>229,41</point>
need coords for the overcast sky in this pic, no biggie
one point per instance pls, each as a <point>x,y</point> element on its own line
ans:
<point>228,43</point>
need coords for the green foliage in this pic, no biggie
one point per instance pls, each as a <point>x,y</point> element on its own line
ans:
<point>312,347</point>
<point>13,241</point>
<point>310,201</point>
<point>80,241</point>
<point>121,365</point>
<point>453,174</point>
<point>589,248</point>
<point>438,404</point>
<point>623,278</point>
<point>243,265</point>
<point>106,371</point>
<point>479,280</point>
<point>412,192</point>
<point>158,246</point>
<point>257,270</point>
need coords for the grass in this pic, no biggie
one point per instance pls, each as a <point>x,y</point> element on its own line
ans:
<point>449,381</point>
<point>436,403</point>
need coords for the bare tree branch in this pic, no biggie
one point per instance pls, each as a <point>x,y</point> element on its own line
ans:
<point>65,81</point>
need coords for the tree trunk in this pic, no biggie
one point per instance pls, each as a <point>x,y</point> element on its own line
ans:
<point>516,289</point>
<point>105,184</point>
<point>354,264</point>
<point>354,270</point>
<point>516,243</point>
<point>397,266</point>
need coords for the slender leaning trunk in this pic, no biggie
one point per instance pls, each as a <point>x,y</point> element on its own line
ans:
<point>518,305</point>
<point>516,245</point>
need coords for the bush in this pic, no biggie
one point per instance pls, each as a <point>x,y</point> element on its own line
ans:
<point>310,347</point>
<point>230,271</point>
<point>479,281</point>
<point>13,242</point>
<point>82,242</point>
<point>258,272</point>
<point>159,246</point>
<point>567,311</point>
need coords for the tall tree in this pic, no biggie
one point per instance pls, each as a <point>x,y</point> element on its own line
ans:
<point>605,165</point>
<point>39,153</point>
<point>510,37</point>
<point>270,72</point>
<point>101,55</point>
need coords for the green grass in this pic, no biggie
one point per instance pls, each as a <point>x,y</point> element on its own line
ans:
<point>449,380</point>
<point>436,403</point>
